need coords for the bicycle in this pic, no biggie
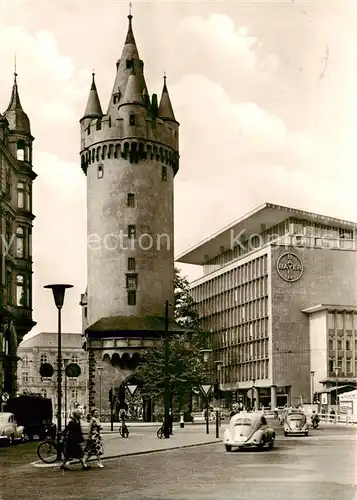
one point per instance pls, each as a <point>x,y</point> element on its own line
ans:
<point>124,430</point>
<point>47,451</point>
<point>161,432</point>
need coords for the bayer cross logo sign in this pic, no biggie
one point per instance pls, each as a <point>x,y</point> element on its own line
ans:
<point>289,267</point>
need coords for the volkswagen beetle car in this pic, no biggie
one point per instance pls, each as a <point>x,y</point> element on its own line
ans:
<point>248,430</point>
<point>9,430</point>
<point>295,423</point>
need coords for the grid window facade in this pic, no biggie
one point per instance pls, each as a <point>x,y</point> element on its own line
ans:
<point>342,344</point>
<point>234,306</point>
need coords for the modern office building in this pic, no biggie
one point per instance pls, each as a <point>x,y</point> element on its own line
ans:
<point>42,348</point>
<point>16,218</point>
<point>279,294</point>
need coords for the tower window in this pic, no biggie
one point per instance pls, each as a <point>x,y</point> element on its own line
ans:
<point>132,232</point>
<point>164,173</point>
<point>132,119</point>
<point>115,98</point>
<point>129,63</point>
<point>131,200</point>
<point>132,298</point>
<point>131,264</point>
<point>100,171</point>
<point>85,312</point>
<point>132,281</point>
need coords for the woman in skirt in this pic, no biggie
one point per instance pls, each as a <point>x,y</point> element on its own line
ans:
<point>95,441</point>
<point>73,441</point>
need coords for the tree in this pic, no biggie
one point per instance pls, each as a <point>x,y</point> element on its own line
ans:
<point>185,367</point>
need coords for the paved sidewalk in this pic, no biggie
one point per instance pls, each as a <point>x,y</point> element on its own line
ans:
<point>144,440</point>
<point>140,442</point>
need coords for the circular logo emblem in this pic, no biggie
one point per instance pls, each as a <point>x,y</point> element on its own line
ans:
<point>289,267</point>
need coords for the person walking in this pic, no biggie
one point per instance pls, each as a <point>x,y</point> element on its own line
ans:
<point>73,436</point>
<point>94,445</point>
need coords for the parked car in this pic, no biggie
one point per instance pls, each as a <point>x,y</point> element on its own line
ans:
<point>33,412</point>
<point>296,423</point>
<point>247,430</point>
<point>9,430</point>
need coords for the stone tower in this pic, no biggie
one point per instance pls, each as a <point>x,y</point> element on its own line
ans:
<point>130,157</point>
<point>16,221</point>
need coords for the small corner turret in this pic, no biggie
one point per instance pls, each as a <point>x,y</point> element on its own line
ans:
<point>165,111</point>
<point>15,115</point>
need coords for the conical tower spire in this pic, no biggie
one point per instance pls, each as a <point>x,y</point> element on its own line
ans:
<point>133,93</point>
<point>129,60</point>
<point>15,115</point>
<point>93,108</point>
<point>165,107</point>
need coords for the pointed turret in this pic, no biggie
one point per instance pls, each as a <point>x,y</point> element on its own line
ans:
<point>165,107</point>
<point>93,108</point>
<point>133,92</point>
<point>129,60</point>
<point>15,115</point>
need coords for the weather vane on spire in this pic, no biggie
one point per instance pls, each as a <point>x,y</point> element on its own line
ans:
<point>130,6</point>
<point>15,72</point>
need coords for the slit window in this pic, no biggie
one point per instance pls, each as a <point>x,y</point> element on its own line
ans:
<point>132,232</point>
<point>100,171</point>
<point>129,63</point>
<point>131,200</point>
<point>132,119</point>
<point>132,281</point>
<point>131,264</point>
<point>132,298</point>
<point>164,173</point>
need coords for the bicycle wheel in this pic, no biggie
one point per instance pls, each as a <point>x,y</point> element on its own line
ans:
<point>125,432</point>
<point>47,452</point>
<point>160,433</point>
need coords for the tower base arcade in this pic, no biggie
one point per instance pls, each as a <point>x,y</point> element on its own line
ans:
<point>113,358</point>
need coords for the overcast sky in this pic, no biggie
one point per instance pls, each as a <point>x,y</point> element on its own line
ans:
<point>265,93</point>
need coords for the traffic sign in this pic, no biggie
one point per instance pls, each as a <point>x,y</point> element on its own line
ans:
<point>206,388</point>
<point>131,388</point>
<point>46,370</point>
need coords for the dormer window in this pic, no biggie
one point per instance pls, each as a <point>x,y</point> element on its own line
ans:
<point>115,98</point>
<point>129,63</point>
<point>132,119</point>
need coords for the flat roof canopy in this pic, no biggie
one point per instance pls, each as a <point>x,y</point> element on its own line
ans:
<point>330,308</point>
<point>254,222</point>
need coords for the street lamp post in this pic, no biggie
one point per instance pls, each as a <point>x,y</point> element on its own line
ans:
<point>336,374</point>
<point>312,386</point>
<point>58,295</point>
<point>218,417</point>
<point>206,354</point>
<point>253,394</point>
<point>99,369</point>
<point>166,381</point>
<point>65,364</point>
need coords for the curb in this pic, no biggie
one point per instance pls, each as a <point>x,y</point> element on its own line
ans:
<point>41,465</point>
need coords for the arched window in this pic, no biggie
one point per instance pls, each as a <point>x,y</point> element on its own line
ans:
<point>20,291</point>
<point>20,150</point>
<point>20,235</point>
<point>43,359</point>
<point>25,361</point>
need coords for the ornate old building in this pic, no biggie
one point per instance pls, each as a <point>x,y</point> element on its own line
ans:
<point>130,157</point>
<point>16,177</point>
<point>42,348</point>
